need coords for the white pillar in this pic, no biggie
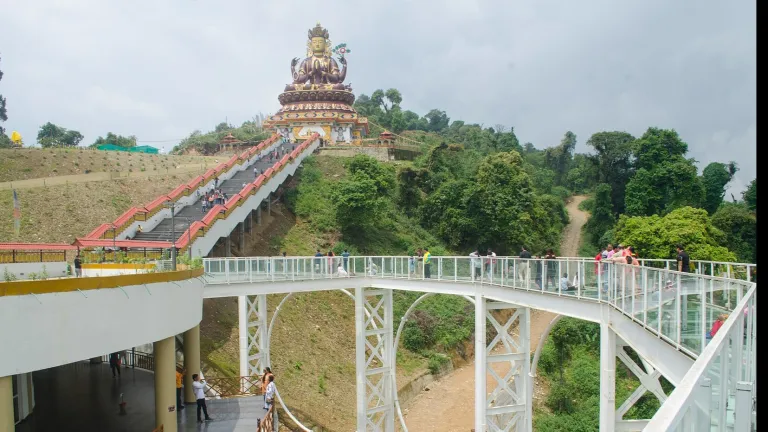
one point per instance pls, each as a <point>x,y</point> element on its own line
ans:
<point>607,378</point>
<point>480,399</point>
<point>360,359</point>
<point>252,334</point>
<point>242,326</point>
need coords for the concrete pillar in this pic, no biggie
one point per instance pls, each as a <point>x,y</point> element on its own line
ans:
<point>191,361</point>
<point>165,384</point>
<point>607,378</point>
<point>6,404</point>
<point>228,245</point>
<point>258,215</point>
<point>250,223</point>
<point>242,238</point>
<point>269,204</point>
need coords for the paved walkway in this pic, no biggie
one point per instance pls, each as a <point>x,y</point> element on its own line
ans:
<point>85,397</point>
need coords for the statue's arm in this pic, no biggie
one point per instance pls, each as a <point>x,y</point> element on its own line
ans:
<point>299,77</point>
<point>333,74</point>
<point>343,73</point>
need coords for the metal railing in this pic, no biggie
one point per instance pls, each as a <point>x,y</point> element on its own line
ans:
<point>235,386</point>
<point>719,391</point>
<point>678,307</point>
<point>134,359</point>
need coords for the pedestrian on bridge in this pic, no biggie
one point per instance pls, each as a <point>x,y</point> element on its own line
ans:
<point>427,263</point>
<point>199,387</point>
<point>264,383</point>
<point>114,364</point>
<point>345,258</point>
<point>318,261</point>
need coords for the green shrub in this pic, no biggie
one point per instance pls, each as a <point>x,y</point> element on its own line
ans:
<point>436,362</point>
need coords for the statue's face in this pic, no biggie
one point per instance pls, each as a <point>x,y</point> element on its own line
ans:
<point>318,45</point>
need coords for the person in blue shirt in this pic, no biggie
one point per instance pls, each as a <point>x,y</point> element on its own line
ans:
<point>345,256</point>
<point>318,261</point>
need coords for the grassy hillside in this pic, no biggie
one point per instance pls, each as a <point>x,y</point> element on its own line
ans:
<point>32,163</point>
<point>61,213</point>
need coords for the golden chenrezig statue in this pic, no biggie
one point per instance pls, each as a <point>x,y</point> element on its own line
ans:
<point>319,70</point>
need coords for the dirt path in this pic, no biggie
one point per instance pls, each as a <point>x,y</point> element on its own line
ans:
<point>448,405</point>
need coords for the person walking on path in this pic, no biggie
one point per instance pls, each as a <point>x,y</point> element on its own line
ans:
<point>179,380</point>
<point>490,264</point>
<point>114,364</point>
<point>265,383</point>
<point>427,263</point>
<point>78,266</point>
<point>318,261</point>
<point>199,387</point>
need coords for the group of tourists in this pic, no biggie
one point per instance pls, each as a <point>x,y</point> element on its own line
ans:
<point>213,197</point>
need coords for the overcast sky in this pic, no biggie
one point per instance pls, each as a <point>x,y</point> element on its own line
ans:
<point>160,69</point>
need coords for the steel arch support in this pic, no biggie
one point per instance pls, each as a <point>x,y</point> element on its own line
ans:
<point>374,360</point>
<point>254,342</point>
<point>509,405</point>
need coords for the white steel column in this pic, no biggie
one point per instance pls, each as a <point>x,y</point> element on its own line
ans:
<point>374,360</point>
<point>253,326</point>
<point>607,378</point>
<point>480,401</point>
<point>509,403</point>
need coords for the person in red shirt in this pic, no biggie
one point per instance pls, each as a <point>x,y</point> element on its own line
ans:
<point>718,323</point>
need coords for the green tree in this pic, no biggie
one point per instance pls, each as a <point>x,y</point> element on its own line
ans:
<point>714,179</point>
<point>656,236</point>
<point>358,205</point>
<point>118,140</point>
<point>614,161</point>
<point>506,201</point>
<point>601,219</point>
<point>451,213</point>
<point>382,175</point>
<point>408,192</point>
<point>223,127</point>
<point>559,158</point>
<point>750,195</point>
<point>437,120</point>
<point>51,135</point>
<point>664,179</point>
<point>740,227</point>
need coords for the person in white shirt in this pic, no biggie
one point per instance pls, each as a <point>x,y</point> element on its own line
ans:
<point>565,285</point>
<point>341,271</point>
<point>474,263</point>
<point>198,385</point>
<point>269,396</point>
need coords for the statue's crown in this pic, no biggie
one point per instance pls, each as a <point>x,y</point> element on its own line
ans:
<point>318,31</point>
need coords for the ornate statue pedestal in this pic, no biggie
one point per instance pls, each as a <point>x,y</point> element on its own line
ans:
<point>328,112</point>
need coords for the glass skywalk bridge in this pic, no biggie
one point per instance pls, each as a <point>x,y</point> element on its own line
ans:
<point>719,390</point>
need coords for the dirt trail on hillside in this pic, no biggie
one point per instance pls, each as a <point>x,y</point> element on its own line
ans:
<point>448,405</point>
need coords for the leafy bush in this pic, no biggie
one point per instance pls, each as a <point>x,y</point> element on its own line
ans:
<point>436,362</point>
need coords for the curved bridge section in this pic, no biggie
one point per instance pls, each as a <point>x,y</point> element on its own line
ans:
<point>663,315</point>
<point>55,322</point>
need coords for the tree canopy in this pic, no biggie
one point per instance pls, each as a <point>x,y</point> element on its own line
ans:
<point>714,179</point>
<point>51,135</point>
<point>656,236</point>
<point>114,139</point>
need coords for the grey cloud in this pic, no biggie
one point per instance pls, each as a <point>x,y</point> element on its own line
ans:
<point>163,69</point>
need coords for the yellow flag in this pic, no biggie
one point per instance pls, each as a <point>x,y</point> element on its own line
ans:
<point>15,137</point>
